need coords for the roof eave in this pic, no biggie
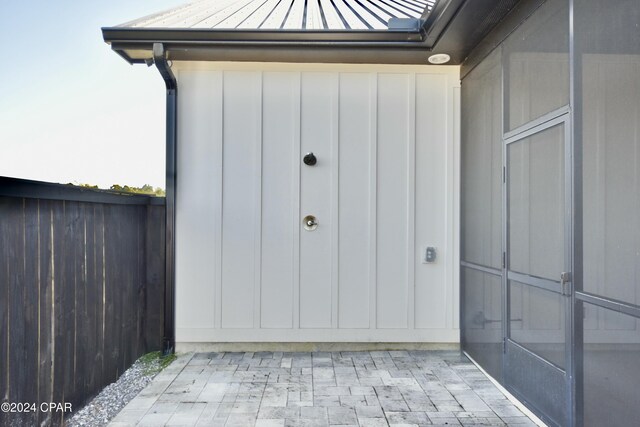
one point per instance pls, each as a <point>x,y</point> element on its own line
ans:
<point>363,53</point>
<point>135,44</point>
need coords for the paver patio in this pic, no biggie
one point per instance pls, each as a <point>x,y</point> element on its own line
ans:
<point>366,389</point>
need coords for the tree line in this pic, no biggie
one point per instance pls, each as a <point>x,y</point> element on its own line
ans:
<point>145,189</point>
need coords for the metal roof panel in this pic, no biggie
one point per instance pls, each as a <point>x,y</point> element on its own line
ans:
<point>334,20</point>
<point>284,14</point>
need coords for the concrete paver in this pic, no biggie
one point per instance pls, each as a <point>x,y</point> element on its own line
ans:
<point>277,389</point>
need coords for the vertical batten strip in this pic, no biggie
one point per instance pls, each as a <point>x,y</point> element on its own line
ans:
<point>297,99</point>
<point>258,205</point>
<point>411,201</point>
<point>39,289</point>
<point>4,308</point>
<point>335,200</point>
<point>373,186</point>
<point>52,321</point>
<point>453,280</point>
<point>103,254</point>
<point>448,259</point>
<point>218,214</point>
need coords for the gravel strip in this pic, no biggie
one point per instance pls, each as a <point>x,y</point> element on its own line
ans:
<point>106,405</point>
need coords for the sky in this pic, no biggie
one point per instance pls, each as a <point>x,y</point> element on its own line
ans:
<point>72,110</point>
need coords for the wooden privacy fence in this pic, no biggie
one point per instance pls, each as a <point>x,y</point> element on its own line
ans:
<point>81,292</point>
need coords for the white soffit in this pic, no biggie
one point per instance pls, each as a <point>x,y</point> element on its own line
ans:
<point>284,14</point>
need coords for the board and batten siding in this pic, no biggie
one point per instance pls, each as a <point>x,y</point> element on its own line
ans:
<point>385,187</point>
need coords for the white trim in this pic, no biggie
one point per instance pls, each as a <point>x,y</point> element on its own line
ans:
<point>335,199</point>
<point>452,215</point>
<point>453,70</point>
<point>411,202</point>
<point>373,202</point>
<point>297,155</point>
<point>455,231</point>
<point>219,186</point>
<point>317,335</point>
<point>257,246</point>
<point>205,347</point>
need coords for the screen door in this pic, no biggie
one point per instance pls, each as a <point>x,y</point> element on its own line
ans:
<point>536,262</point>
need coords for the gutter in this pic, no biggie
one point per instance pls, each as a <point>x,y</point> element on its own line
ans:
<point>186,44</point>
<point>413,33</point>
<point>160,60</point>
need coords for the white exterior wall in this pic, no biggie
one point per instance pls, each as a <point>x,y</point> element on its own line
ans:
<point>384,188</point>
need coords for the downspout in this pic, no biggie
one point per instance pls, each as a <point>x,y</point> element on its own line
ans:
<point>160,60</point>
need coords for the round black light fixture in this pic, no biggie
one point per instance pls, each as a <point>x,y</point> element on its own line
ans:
<point>310,159</point>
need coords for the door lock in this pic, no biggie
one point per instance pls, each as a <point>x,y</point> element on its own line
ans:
<point>310,222</point>
<point>565,281</point>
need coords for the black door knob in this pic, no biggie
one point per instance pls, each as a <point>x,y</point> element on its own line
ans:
<point>310,159</point>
